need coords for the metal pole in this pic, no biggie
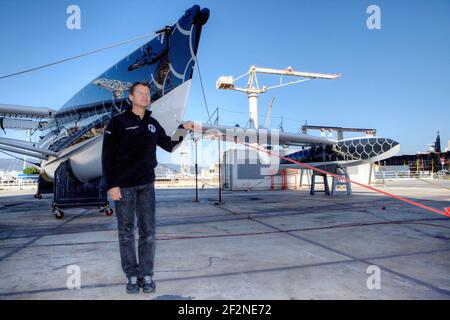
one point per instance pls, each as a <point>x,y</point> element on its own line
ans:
<point>220,184</point>
<point>253,110</point>
<point>25,156</point>
<point>196,173</point>
<point>225,167</point>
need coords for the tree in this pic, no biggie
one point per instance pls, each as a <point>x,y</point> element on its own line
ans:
<point>31,170</point>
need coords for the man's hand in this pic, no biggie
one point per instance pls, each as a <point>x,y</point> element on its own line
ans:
<point>115,194</point>
<point>190,125</point>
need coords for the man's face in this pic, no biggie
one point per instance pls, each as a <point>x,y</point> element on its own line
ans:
<point>140,96</point>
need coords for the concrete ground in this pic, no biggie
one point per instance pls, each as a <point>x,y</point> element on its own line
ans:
<point>255,245</point>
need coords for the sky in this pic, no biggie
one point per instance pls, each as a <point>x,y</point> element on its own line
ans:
<point>394,79</point>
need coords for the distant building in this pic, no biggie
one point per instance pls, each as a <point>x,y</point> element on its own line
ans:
<point>432,161</point>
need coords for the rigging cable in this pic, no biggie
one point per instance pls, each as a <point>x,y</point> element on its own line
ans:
<point>79,56</point>
<point>36,164</point>
<point>446,212</point>
<point>203,89</point>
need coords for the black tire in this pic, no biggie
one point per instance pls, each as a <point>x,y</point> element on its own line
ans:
<point>59,214</point>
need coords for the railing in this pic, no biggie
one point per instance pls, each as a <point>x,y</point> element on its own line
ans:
<point>17,183</point>
<point>391,175</point>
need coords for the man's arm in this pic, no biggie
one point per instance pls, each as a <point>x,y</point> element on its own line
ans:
<point>165,141</point>
<point>109,150</point>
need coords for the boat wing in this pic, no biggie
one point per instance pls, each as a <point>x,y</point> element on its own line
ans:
<point>261,135</point>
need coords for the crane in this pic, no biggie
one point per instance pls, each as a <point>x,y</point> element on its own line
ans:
<point>253,89</point>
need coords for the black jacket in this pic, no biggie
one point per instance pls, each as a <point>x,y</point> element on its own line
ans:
<point>129,149</point>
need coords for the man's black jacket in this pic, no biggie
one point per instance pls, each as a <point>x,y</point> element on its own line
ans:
<point>129,149</point>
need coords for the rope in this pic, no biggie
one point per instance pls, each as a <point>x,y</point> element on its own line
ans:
<point>444,213</point>
<point>203,89</point>
<point>78,56</point>
<point>36,164</point>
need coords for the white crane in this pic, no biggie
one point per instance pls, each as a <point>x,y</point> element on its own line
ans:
<point>253,90</point>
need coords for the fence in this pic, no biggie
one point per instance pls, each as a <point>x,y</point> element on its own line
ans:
<point>396,175</point>
<point>17,183</point>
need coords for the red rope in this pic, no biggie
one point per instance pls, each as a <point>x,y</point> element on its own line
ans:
<point>444,213</point>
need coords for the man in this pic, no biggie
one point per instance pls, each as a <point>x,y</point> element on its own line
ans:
<point>128,161</point>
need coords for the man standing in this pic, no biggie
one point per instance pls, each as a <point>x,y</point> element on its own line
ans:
<point>128,161</point>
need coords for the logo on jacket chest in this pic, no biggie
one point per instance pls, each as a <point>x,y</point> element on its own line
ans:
<point>151,128</point>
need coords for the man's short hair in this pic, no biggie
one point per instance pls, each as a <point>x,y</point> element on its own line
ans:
<point>142,83</point>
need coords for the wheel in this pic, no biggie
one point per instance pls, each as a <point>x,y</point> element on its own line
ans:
<point>109,212</point>
<point>38,196</point>
<point>59,214</point>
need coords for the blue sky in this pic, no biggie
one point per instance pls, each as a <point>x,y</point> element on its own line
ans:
<point>395,79</point>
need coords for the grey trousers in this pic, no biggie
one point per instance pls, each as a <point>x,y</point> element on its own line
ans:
<point>137,202</point>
